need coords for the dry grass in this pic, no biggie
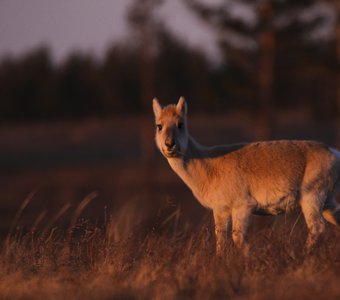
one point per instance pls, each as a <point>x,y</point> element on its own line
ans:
<point>138,253</point>
<point>125,259</point>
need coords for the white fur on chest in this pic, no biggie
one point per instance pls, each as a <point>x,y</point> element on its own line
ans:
<point>193,179</point>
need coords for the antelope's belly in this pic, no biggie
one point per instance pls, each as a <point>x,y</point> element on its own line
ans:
<point>271,205</point>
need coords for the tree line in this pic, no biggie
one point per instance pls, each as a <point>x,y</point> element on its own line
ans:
<point>282,63</point>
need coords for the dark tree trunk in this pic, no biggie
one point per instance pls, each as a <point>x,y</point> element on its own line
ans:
<point>266,42</point>
<point>337,37</point>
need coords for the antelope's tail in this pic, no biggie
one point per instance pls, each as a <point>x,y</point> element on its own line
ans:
<point>332,214</point>
<point>331,210</point>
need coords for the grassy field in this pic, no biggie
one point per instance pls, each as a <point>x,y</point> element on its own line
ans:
<point>81,218</point>
<point>123,259</point>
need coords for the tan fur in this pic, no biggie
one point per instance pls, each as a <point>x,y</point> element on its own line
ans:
<point>238,180</point>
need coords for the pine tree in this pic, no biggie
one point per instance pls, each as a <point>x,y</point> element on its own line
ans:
<point>270,43</point>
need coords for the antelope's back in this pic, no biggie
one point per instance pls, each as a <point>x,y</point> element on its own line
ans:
<point>284,166</point>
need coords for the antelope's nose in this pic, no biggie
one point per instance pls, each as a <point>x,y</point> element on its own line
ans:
<point>170,143</point>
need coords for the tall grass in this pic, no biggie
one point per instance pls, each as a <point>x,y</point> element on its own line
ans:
<point>127,259</point>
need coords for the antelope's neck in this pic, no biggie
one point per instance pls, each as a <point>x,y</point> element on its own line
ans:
<point>193,168</point>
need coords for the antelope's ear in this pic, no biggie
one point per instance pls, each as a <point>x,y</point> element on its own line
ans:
<point>157,108</point>
<point>181,106</point>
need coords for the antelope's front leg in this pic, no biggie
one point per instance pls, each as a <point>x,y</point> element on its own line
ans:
<point>222,219</point>
<point>240,218</point>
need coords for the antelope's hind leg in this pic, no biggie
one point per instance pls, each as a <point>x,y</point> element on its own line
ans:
<point>222,220</point>
<point>311,206</point>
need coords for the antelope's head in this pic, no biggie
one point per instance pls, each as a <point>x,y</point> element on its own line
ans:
<point>171,128</point>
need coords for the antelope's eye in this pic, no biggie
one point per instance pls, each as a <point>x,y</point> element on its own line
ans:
<point>180,125</point>
<point>159,127</point>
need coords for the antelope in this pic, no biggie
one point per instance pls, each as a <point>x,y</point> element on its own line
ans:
<point>261,178</point>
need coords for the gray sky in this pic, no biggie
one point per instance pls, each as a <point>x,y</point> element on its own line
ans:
<point>86,25</point>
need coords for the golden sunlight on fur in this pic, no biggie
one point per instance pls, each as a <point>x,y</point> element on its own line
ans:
<point>263,178</point>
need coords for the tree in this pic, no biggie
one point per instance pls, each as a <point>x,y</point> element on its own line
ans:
<point>78,91</point>
<point>25,86</point>
<point>336,36</point>
<point>144,23</point>
<point>268,42</point>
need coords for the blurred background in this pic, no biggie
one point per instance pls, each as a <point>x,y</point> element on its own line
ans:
<point>77,79</point>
